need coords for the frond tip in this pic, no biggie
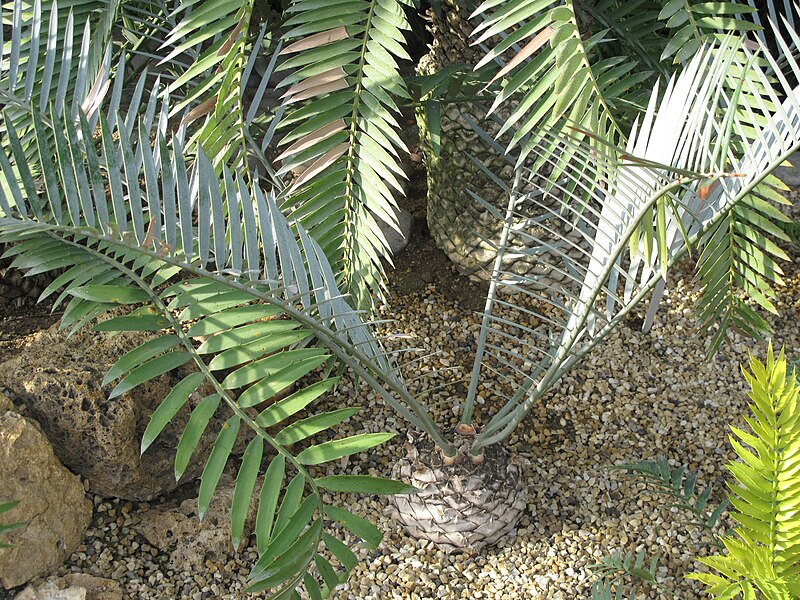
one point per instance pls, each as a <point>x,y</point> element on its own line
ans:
<point>764,551</point>
<point>341,141</point>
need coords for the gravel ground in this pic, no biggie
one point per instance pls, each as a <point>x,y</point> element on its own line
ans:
<point>637,396</point>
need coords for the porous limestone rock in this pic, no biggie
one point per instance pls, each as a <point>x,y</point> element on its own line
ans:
<point>75,586</point>
<point>52,502</point>
<point>190,541</point>
<point>58,379</point>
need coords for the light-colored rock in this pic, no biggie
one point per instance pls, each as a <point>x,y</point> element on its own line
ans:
<point>58,379</point>
<point>398,240</point>
<point>190,540</point>
<point>97,588</point>
<point>790,175</point>
<point>53,503</point>
<point>31,593</point>
<point>75,586</point>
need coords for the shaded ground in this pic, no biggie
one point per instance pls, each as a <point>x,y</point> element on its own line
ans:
<point>422,263</point>
<point>18,323</point>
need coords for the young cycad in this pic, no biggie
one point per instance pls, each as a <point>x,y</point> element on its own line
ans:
<point>764,548</point>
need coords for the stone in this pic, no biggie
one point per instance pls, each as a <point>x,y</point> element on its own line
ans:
<point>53,503</point>
<point>59,380</point>
<point>30,593</point>
<point>790,175</point>
<point>75,586</point>
<point>5,404</point>
<point>398,240</point>
<point>189,540</point>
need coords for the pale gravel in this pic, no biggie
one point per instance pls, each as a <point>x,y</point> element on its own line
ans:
<point>636,396</point>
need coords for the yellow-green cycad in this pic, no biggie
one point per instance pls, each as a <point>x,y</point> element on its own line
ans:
<point>763,558</point>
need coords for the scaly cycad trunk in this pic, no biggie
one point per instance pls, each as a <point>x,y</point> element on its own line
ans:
<point>461,506</point>
<point>463,228</point>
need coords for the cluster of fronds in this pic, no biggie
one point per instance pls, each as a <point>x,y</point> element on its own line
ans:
<point>140,195</point>
<point>343,138</point>
<point>760,557</point>
<point>633,212</point>
<point>227,290</point>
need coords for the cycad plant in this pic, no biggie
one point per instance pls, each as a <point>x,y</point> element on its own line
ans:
<point>763,553</point>
<point>760,557</point>
<point>593,61</point>
<point>149,161</point>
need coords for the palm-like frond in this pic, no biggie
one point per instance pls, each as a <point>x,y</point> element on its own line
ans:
<point>588,61</point>
<point>343,144</point>
<point>634,214</point>
<point>214,84</point>
<point>739,259</point>
<point>145,25</point>
<point>634,28</point>
<point>680,487</point>
<point>563,78</point>
<point>56,50</point>
<point>247,270</point>
<point>225,285</point>
<point>694,24</point>
<point>764,551</point>
<point>614,571</point>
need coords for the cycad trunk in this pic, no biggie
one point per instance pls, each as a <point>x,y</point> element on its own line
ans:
<point>463,506</point>
<point>464,229</point>
<point>15,286</point>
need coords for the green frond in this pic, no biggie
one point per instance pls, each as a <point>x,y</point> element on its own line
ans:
<point>694,24</point>
<point>144,26</point>
<point>341,139</point>
<point>622,577</point>
<point>764,551</point>
<point>680,487</point>
<point>57,59</point>
<point>225,288</point>
<point>211,90</point>
<point>739,257</point>
<point>629,214</point>
<point>47,38</point>
<point>634,29</point>
<point>568,80</point>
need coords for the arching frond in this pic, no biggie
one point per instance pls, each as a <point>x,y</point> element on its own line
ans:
<point>561,78</point>
<point>634,28</point>
<point>343,142</point>
<point>145,25</point>
<point>212,89</point>
<point>686,166</point>
<point>224,287</point>
<point>693,24</point>
<point>57,59</point>
<point>593,63</point>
